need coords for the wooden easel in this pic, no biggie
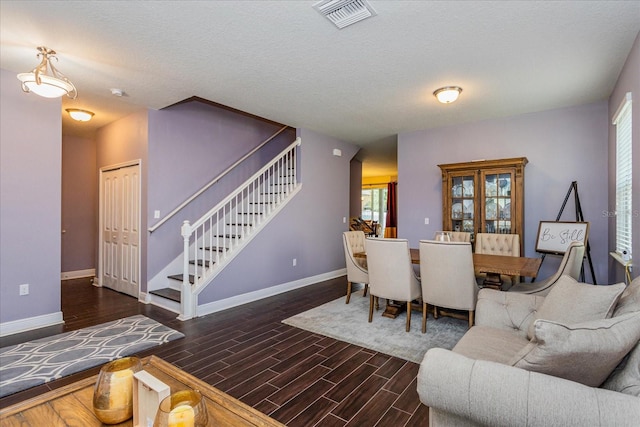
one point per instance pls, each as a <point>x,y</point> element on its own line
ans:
<point>580,218</point>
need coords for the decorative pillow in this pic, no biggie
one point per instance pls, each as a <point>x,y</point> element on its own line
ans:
<point>570,301</point>
<point>586,352</point>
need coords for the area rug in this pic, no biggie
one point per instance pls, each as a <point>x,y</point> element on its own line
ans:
<point>37,362</point>
<point>349,323</point>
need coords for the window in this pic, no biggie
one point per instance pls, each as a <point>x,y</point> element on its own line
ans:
<point>622,121</point>
<point>374,205</point>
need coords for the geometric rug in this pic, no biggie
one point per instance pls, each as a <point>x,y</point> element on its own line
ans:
<point>37,362</point>
<point>349,323</point>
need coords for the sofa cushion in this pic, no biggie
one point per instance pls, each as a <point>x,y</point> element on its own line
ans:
<point>626,377</point>
<point>570,301</point>
<point>586,352</point>
<point>486,343</point>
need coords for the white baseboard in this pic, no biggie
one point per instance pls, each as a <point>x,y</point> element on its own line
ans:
<point>212,307</point>
<point>28,324</point>
<point>90,272</point>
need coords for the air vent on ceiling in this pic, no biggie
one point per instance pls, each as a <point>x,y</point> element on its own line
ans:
<point>344,12</point>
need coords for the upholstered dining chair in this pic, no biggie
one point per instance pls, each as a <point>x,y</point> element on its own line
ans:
<point>448,277</point>
<point>353,242</point>
<point>498,244</point>
<point>391,274</point>
<point>570,265</point>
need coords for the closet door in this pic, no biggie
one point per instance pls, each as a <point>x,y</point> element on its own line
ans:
<point>120,229</point>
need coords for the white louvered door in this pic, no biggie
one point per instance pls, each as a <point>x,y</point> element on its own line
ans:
<point>120,232</point>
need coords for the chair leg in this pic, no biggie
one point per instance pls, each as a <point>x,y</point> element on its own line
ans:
<point>366,288</point>
<point>424,317</point>
<point>371,297</point>
<point>377,304</point>
<point>348,292</point>
<point>408,316</point>
<point>471,318</point>
<point>435,312</point>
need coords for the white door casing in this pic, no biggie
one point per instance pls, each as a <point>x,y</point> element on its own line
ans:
<point>119,250</point>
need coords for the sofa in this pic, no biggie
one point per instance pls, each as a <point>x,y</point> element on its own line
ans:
<point>570,358</point>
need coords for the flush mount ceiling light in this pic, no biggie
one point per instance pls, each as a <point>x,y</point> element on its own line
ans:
<point>344,12</point>
<point>79,115</point>
<point>447,94</point>
<point>45,80</point>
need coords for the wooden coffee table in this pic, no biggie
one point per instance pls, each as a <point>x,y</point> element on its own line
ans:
<point>72,405</point>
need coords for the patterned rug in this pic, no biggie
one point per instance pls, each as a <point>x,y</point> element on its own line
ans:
<point>37,362</point>
<point>349,323</point>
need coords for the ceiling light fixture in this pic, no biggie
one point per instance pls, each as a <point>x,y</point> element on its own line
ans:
<point>45,80</point>
<point>447,94</point>
<point>79,115</point>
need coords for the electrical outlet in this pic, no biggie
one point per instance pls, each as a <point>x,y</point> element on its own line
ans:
<point>156,214</point>
<point>426,221</point>
<point>24,289</point>
<point>295,262</point>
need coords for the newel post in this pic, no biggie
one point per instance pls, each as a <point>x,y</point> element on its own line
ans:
<point>186,300</point>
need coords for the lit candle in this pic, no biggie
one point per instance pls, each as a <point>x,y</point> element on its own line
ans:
<point>121,390</point>
<point>182,416</point>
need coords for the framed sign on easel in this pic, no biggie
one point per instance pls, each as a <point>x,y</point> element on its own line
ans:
<point>554,237</point>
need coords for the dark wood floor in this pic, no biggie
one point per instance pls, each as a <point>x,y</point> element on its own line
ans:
<point>295,376</point>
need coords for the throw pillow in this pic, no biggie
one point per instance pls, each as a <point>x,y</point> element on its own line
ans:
<point>570,301</point>
<point>586,352</point>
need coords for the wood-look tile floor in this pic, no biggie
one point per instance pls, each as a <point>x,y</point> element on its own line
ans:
<point>297,377</point>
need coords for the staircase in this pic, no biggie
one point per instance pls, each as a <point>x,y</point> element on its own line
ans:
<point>214,240</point>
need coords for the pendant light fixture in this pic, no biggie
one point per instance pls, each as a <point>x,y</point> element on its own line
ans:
<point>447,94</point>
<point>45,80</point>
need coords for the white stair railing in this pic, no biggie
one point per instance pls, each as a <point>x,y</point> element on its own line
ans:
<point>212,241</point>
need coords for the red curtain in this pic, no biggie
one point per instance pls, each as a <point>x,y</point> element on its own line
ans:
<point>391,223</point>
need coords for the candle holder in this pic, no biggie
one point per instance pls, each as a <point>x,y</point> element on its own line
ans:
<point>113,393</point>
<point>443,236</point>
<point>185,408</point>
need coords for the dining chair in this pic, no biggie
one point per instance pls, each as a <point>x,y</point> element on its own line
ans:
<point>391,274</point>
<point>498,244</point>
<point>353,242</point>
<point>570,265</point>
<point>448,278</point>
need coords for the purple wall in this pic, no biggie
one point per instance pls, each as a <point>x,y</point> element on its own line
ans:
<point>79,203</point>
<point>355,189</point>
<point>189,145</point>
<point>308,229</point>
<point>30,170</point>
<point>563,145</point>
<point>628,81</point>
<point>123,141</point>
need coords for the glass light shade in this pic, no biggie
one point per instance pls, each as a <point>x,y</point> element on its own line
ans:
<point>447,95</point>
<point>49,87</point>
<point>80,115</point>
<point>113,393</point>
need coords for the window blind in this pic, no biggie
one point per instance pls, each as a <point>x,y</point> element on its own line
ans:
<point>622,121</point>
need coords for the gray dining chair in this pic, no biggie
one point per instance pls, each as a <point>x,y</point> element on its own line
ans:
<point>448,278</point>
<point>353,242</point>
<point>391,274</point>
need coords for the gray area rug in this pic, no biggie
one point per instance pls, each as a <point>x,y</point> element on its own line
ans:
<point>36,362</point>
<point>348,322</point>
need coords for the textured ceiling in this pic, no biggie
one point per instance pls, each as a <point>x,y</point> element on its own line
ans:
<point>364,84</point>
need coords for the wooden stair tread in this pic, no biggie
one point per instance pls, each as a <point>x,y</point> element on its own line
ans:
<point>215,248</point>
<point>206,262</point>
<point>168,293</point>
<point>178,277</point>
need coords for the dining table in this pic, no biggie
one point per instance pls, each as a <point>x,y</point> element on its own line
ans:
<point>491,265</point>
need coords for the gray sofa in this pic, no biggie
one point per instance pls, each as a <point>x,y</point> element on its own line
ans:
<point>573,360</point>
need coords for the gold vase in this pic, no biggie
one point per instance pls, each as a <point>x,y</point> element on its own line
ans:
<point>185,408</point>
<point>113,393</point>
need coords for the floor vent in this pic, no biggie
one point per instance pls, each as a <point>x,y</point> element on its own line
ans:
<point>344,12</point>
